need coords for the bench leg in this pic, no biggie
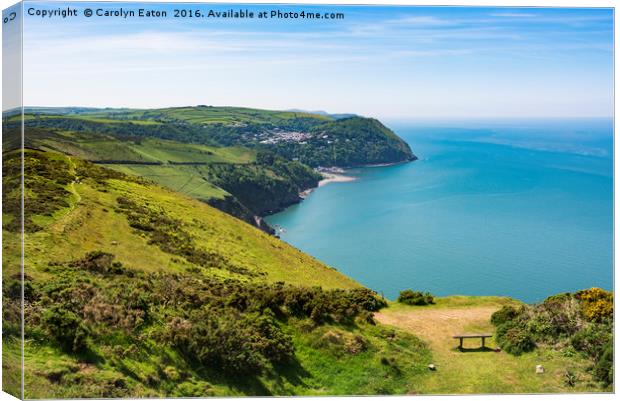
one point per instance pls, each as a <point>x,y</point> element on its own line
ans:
<point>482,342</point>
<point>461,343</point>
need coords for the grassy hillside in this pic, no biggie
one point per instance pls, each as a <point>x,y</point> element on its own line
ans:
<point>315,139</point>
<point>347,142</point>
<point>74,206</point>
<point>135,290</point>
<point>194,115</point>
<point>246,162</point>
<point>243,182</point>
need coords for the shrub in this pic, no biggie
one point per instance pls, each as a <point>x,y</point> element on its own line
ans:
<point>67,328</point>
<point>99,262</point>
<point>596,304</point>
<point>228,325</point>
<point>514,339</point>
<point>570,378</point>
<point>557,317</point>
<point>592,339</point>
<point>169,235</point>
<point>227,340</point>
<point>410,297</point>
<point>171,373</point>
<point>570,323</point>
<point>604,368</point>
<point>505,314</point>
<point>366,299</point>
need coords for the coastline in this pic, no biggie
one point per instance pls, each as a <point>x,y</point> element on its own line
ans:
<point>414,158</point>
<point>333,174</point>
<point>338,174</point>
<point>331,177</point>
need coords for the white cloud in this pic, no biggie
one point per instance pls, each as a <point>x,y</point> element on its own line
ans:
<point>433,65</point>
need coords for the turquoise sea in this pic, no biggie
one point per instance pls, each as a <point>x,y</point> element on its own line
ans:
<point>520,208</point>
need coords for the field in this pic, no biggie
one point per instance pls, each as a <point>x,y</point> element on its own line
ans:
<point>244,182</point>
<point>193,115</point>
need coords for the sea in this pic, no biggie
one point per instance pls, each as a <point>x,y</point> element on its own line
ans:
<point>518,208</point>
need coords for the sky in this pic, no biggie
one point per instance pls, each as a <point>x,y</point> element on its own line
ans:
<point>385,62</point>
<point>11,58</point>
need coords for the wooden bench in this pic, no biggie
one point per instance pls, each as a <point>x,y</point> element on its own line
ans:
<point>461,337</point>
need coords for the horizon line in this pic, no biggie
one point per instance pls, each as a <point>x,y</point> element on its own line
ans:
<point>300,110</point>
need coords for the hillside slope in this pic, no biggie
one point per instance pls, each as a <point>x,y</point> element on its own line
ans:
<point>78,207</point>
<point>243,182</point>
<point>246,162</point>
<point>134,290</point>
<point>314,139</point>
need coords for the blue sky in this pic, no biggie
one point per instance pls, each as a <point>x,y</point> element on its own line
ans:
<point>11,59</point>
<point>386,62</point>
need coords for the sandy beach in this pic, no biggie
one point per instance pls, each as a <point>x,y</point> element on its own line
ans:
<point>327,178</point>
<point>331,177</point>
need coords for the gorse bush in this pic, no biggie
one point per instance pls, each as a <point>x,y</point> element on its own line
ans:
<point>597,304</point>
<point>604,368</point>
<point>69,329</point>
<point>515,339</point>
<point>229,340</point>
<point>581,321</point>
<point>410,297</point>
<point>99,262</point>
<point>221,324</point>
<point>505,314</point>
<point>592,340</point>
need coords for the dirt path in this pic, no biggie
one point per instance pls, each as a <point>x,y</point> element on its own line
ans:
<point>476,370</point>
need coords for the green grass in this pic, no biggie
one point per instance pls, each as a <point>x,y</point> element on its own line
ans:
<point>232,115</point>
<point>479,371</point>
<point>90,118</point>
<point>98,147</point>
<point>183,179</point>
<point>187,179</point>
<point>11,367</point>
<point>191,114</point>
<point>169,151</point>
<point>390,362</point>
<point>460,301</point>
<point>92,223</point>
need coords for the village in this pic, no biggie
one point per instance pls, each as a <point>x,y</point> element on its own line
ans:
<point>275,136</point>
